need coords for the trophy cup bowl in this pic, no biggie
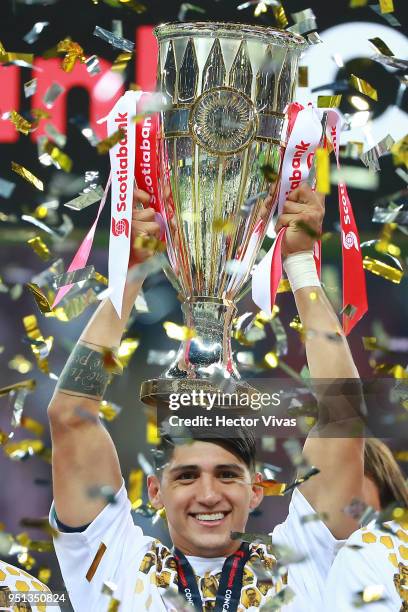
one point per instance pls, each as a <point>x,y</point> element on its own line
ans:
<point>228,86</point>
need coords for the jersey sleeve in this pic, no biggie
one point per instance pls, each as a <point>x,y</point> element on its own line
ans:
<point>98,554</point>
<point>355,568</point>
<point>312,540</point>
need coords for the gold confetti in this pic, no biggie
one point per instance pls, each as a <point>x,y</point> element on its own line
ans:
<point>384,244</point>
<point>44,574</point>
<point>280,16</point>
<point>96,561</point>
<point>105,145</point>
<point>284,286</point>
<point>13,57</point>
<point>178,332</point>
<point>386,6</point>
<point>271,487</point>
<point>382,269</point>
<point>58,156</point>
<point>226,226</point>
<point>42,302</point>
<point>322,171</point>
<point>21,124</point>
<point>121,62</point>
<point>313,296</point>
<point>19,450</point>
<point>108,410</point>
<point>126,349</point>
<point>363,87</point>
<point>271,359</point>
<point>39,247</point>
<point>27,175</point>
<point>40,113</point>
<point>329,101</point>
<point>150,243</point>
<point>358,3</point>
<point>20,364</point>
<point>152,433</point>
<point>380,45</point>
<point>32,425</point>
<point>400,152</point>
<point>303,76</point>
<point>73,53</point>
<point>138,7</point>
<point>40,346</point>
<point>370,343</point>
<point>401,456</point>
<point>29,384</point>
<point>135,487</point>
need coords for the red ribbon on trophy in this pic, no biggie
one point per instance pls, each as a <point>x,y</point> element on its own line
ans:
<point>304,130</point>
<point>354,285</point>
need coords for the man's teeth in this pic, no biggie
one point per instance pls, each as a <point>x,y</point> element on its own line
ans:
<point>210,517</point>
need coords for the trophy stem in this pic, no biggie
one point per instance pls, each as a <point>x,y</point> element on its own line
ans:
<point>204,359</point>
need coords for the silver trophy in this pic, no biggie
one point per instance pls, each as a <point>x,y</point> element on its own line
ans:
<point>228,86</point>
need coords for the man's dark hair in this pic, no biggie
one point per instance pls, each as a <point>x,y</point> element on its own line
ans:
<point>242,445</point>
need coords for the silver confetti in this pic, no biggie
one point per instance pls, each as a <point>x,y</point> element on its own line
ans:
<point>6,188</point>
<point>161,358</point>
<point>394,62</point>
<point>246,5</point>
<point>85,199</point>
<point>285,596</point>
<point>370,157</point>
<point>117,27</point>
<point>314,39</point>
<point>144,464</point>
<point>35,32</point>
<point>52,93</point>
<point>185,7</point>
<point>30,88</point>
<point>392,214</point>
<point>92,65</point>
<point>76,276</point>
<point>59,139</point>
<point>115,41</point>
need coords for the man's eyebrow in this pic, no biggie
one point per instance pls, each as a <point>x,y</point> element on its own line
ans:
<point>178,468</point>
<point>230,466</point>
<point>221,466</point>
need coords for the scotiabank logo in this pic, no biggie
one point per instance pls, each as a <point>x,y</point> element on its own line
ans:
<point>350,240</point>
<point>120,227</point>
<point>104,89</point>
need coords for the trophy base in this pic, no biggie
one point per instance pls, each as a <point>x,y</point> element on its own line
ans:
<point>157,391</point>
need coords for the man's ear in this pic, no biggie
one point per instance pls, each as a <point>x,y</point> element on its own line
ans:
<point>153,490</point>
<point>257,493</point>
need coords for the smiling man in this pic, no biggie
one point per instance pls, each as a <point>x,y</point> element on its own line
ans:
<point>207,486</point>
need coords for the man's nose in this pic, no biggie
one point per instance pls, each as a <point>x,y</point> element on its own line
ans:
<point>209,492</point>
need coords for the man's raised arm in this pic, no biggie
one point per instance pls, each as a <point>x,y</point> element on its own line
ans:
<point>339,459</point>
<point>83,454</point>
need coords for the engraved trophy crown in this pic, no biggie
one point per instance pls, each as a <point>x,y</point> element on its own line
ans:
<point>228,86</point>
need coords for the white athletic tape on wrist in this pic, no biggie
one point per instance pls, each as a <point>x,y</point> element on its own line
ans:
<point>301,270</point>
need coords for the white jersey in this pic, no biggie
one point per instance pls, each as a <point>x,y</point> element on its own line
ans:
<point>18,587</point>
<point>371,557</point>
<point>115,552</point>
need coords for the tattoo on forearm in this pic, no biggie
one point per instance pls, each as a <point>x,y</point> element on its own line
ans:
<point>84,373</point>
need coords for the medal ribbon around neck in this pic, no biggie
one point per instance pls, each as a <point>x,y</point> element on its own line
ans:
<point>229,590</point>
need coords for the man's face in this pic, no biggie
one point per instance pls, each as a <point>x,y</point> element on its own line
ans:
<point>207,492</point>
